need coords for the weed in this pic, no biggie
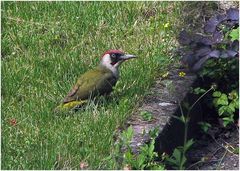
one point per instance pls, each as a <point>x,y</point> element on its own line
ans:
<point>147,116</point>
<point>226,105</point>
<point>178,159</point>
<point>205,126</point>
<point>144,159</point>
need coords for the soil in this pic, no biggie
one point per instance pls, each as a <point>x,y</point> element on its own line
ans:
<point>216,150</point>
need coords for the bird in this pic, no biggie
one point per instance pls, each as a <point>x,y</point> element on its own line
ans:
<point>96,82</point>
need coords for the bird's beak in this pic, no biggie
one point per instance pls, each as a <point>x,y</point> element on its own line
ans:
<point>127,56</point>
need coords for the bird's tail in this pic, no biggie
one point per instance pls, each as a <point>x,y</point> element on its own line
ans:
<point>70,105</point>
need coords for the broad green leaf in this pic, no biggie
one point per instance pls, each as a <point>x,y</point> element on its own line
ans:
<point>128,156</point>
<point>227,120</point>
<point>231,106</point>
<point>183,161</point>
<point>236,150</point>
<point>221,110</point>
<point>217,94</point>
<point>188,144</point>
<point>199,90</point>
<point>204,126</point>
<point>172,161</point>
<point>223,100</point>
<point>146,115</point>
<point>153,133</point>
<point>128,134</point>
<point>183,119</point>
<point>234,34</point>
<point>151,147</point>
<point>177,155</point>
<point>140,161</point>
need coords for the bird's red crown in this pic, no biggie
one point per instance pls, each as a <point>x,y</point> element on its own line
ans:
<point>113,51</point>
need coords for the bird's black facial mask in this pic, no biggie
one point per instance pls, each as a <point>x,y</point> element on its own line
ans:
<point>115,58</point>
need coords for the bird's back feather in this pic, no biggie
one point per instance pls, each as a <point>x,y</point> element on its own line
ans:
<point>98,81</point>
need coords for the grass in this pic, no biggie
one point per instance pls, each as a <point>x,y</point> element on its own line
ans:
<point>45,47</point>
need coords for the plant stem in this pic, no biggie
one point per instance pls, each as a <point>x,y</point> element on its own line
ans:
<point>186,122</point>
<point>219,164</point>
<point>199,99</point>
<point>187,117</point>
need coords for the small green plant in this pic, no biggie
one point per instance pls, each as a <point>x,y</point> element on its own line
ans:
<point>226,105</point>
<point>153,133</point>
<point>236,150</point>
<point>178,159</point>
<point>205,126</point>
<point>123,144</point>
<point>127,136</point>
<point>199,90</point>
<point>147,116</point>
<point>145,159</point>
<point>234,34</point>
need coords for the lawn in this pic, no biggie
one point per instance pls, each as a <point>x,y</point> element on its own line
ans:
<point>46,46</point>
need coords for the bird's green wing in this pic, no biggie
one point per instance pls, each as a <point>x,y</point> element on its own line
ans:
<point>97,81</point>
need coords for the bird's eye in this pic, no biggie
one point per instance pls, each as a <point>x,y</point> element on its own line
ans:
<point>113,55</point>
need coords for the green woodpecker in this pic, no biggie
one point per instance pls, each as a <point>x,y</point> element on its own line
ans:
<point>99,81</point>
